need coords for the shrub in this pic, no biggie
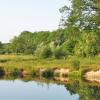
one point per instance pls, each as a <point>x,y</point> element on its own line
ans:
<point>48,73</point>
<point>76,64</point>
<point>88,45</point>
<point>59,53</point>
<point>35,73</point>
<point>46,53</point>
<point>3,60</point>
<point>15,72</point>
<point>2,71</point>
<point>2,52</point>
<point>74,75</point>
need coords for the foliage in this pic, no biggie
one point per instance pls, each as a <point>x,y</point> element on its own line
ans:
<point>15,72</point>
<point>48,73</point>
<point>59,53</point>
<point>47,52</point>
<point>88,45</point>
<point>2,71</point>
<point>78,34</point>
<point>35,72</point>
<point>75,64</point>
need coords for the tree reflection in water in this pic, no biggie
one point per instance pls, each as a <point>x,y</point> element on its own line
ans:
<point>84,90</point>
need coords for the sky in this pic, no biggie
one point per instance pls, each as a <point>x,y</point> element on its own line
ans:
<point>28,15</point>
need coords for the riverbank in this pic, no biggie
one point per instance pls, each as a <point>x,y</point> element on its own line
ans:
<point>29,61</point>
<point>60,68</point>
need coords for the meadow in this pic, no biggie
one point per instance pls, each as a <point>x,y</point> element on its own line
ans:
<point>30,62</point>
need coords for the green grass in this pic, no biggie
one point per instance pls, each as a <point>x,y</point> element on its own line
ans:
<point>29,62</point>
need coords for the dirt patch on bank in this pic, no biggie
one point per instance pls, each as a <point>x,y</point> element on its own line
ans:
<point>61,72</point>
<point>93,76</point>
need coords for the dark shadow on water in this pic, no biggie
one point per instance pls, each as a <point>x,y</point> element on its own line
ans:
<point>2,72</point>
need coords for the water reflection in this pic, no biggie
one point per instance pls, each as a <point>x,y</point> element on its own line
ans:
<point>19,90</point>
<point>84,90</point>
<point>44,89</point>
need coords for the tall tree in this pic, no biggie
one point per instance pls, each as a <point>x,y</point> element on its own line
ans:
<point>83,14</point>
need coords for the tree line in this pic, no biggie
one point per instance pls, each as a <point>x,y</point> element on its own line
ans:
<point>78,34</point>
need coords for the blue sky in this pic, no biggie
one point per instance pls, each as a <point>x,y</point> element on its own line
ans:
<point>32,15</point>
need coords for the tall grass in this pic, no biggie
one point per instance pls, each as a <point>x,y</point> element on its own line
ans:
<point>29,62</point>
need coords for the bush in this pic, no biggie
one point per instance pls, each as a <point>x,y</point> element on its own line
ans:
<point>2,52</point>
<point>48,73</point>
<point>88,45</point>
<point>15,72</point>
<point>2,71</point>
<point>74,75</point>
<point>76,64</point>
<point>35,73</point>
<point>59,53</point>
<point>46,53</point>
<point>4,60</point>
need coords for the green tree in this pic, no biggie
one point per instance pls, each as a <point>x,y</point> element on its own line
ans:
<point>59,53</point>
<point>88,44</point>
<point>47,52</point>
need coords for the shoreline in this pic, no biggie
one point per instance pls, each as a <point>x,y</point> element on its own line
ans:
<point>60,68</point>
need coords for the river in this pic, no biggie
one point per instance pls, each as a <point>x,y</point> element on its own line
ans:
<point>35,90</point>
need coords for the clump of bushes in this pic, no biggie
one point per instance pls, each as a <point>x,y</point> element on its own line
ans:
<point>59,53</point>
<point>2,51</point>
<point>74,75</point>
<point>15,72</point>
<point>75,64</point>
<point>46,53</point>
<point>48,73</point>
<point>3,60</point>
<point>35,73</point>
<point>2,71</point>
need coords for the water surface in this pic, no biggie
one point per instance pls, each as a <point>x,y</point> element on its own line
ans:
<point>32,90</point>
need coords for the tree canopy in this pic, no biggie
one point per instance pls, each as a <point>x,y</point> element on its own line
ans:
<point>78,34</point>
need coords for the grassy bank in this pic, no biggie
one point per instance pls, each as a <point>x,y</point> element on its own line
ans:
<point>27,65</point>
<point>28,62</point>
